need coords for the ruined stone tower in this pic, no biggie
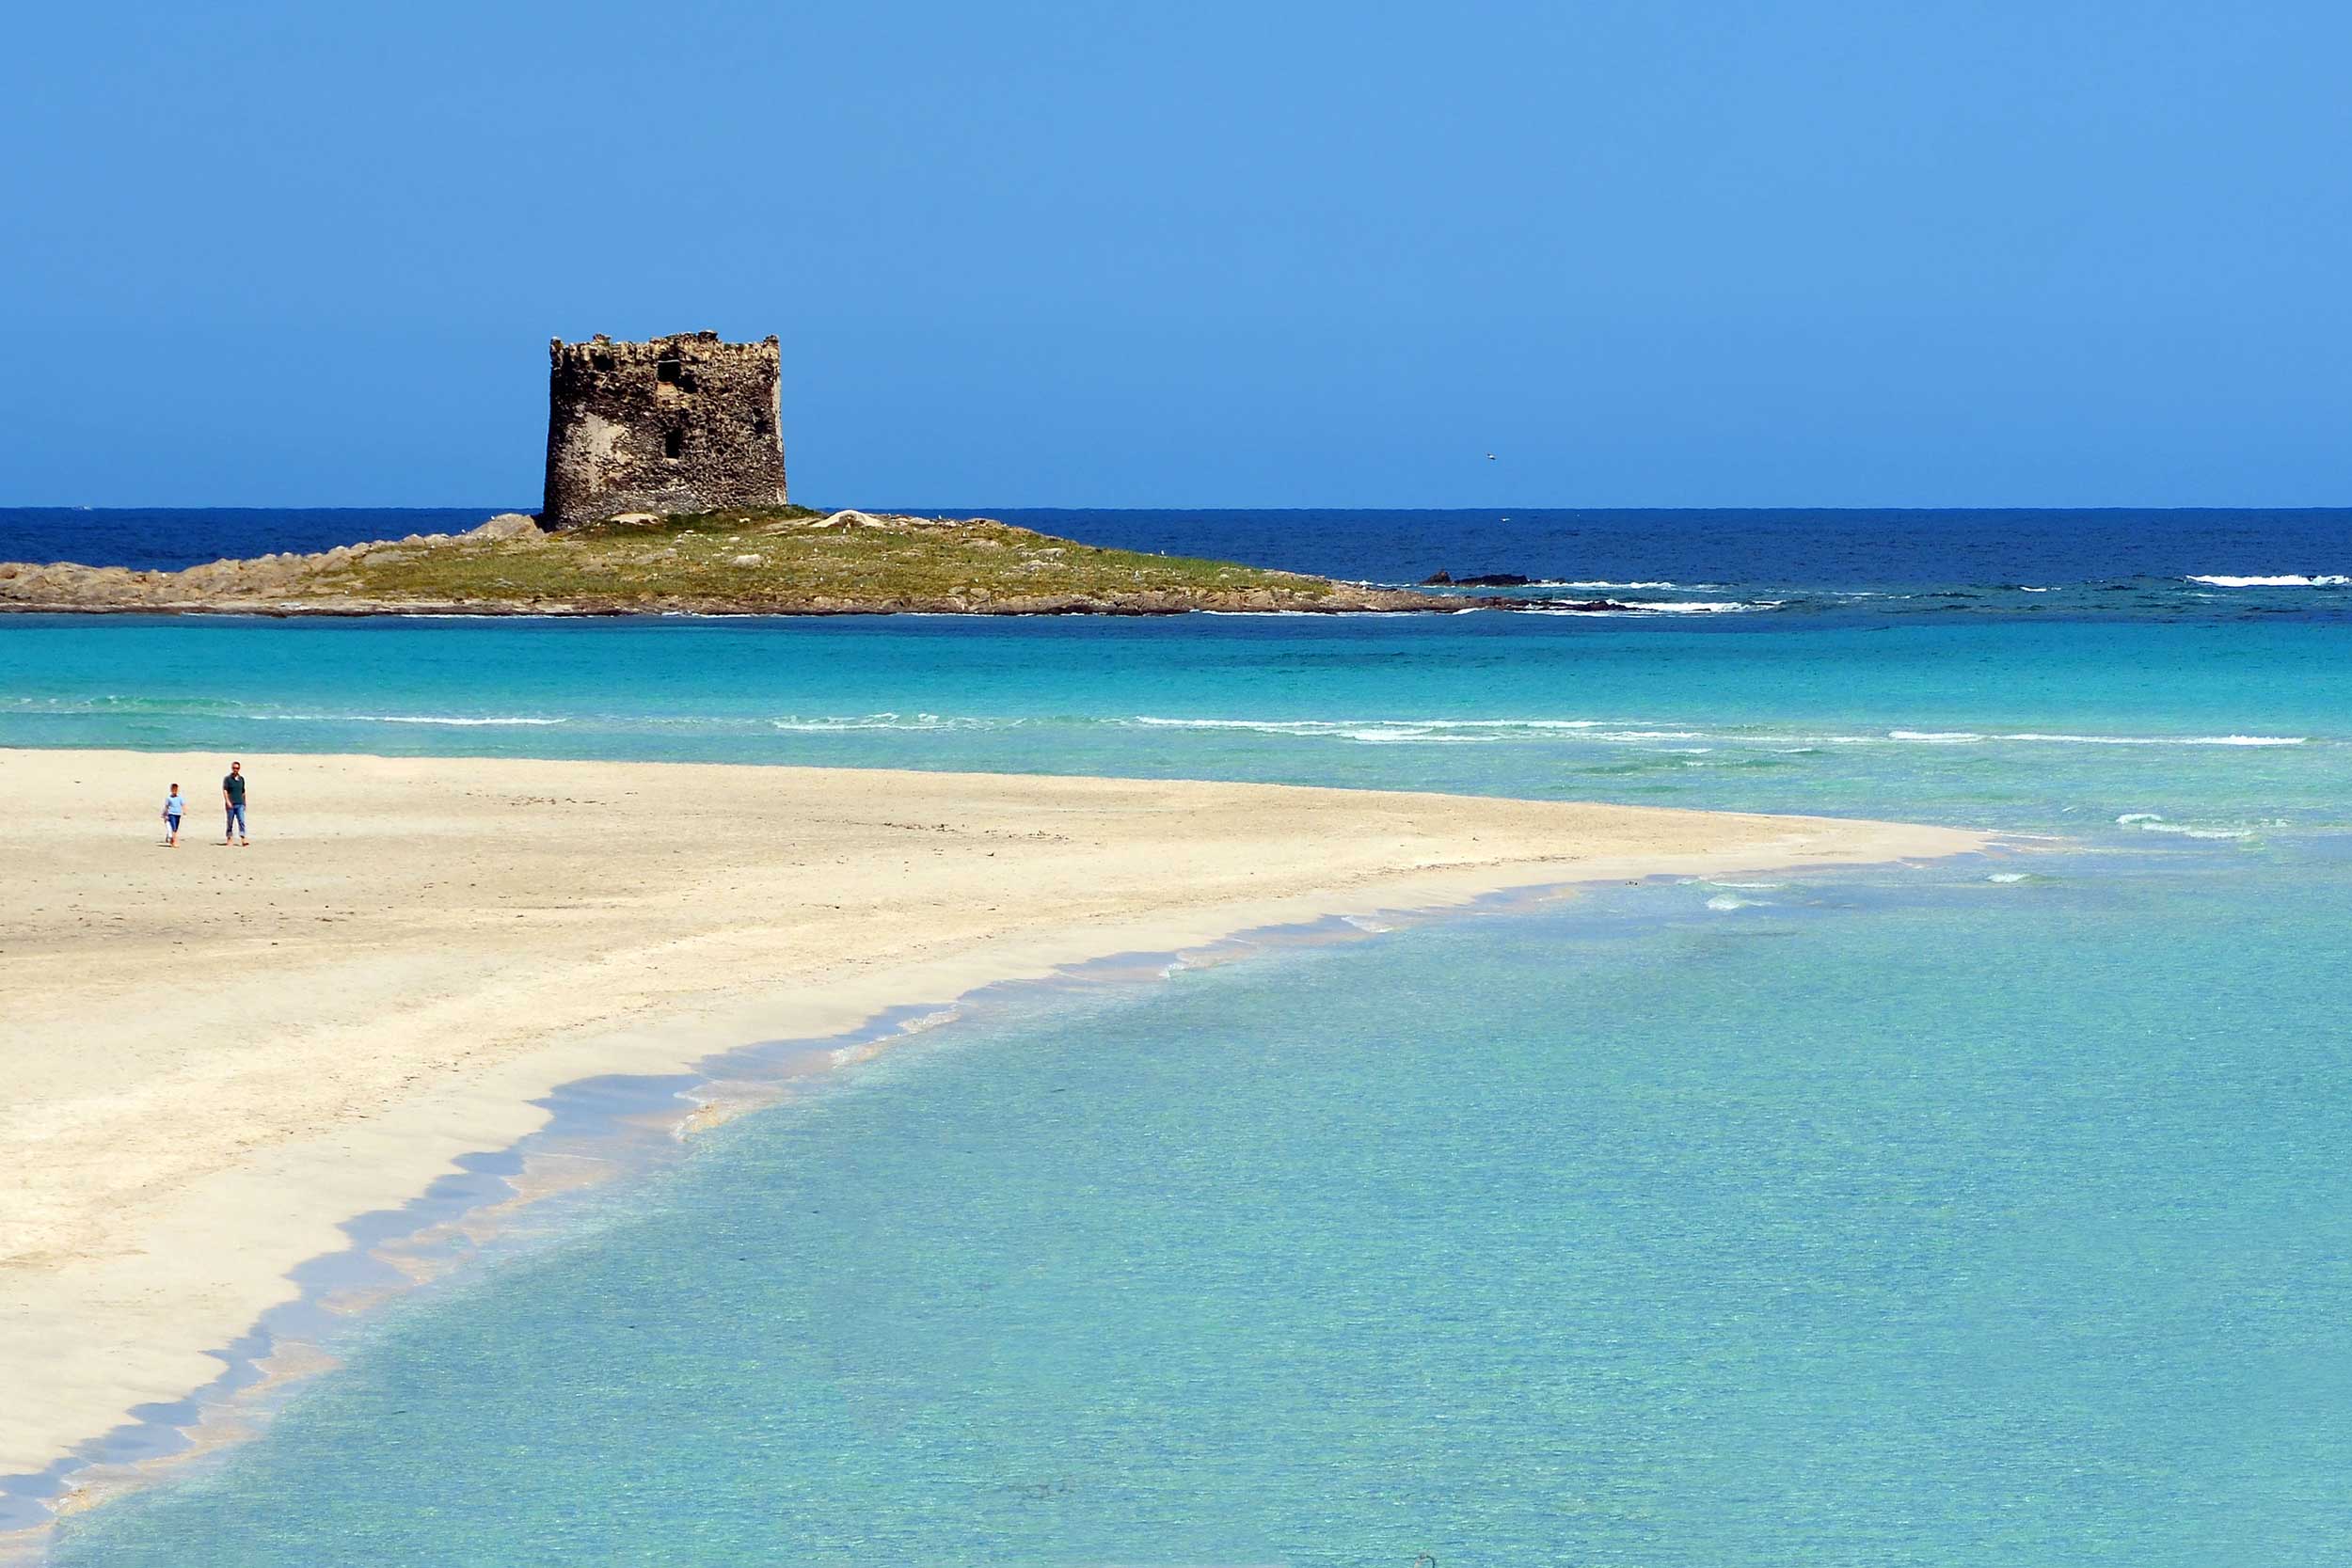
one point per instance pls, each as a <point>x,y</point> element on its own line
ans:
<point>682,423</point>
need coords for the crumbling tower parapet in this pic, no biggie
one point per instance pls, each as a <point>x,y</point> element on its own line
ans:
<point>682,423</point>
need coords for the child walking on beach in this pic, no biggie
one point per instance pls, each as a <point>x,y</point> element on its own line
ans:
<point>174,808</point>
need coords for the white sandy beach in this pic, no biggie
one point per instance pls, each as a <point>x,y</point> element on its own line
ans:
<point>214,1056</point>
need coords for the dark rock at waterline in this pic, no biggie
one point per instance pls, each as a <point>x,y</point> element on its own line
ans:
<point>1487,579</point>
<point>1552,606</point>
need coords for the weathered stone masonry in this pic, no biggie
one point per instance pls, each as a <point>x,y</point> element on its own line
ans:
<point>682,423</point>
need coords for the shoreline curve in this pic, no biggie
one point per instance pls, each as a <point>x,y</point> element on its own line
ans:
<point>1093,870</point>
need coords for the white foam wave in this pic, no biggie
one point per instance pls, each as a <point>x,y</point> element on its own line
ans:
<point>1357,727</point>
<point>1595,583</point>
<point>2008,876</point>
<point>1725,903</point>
<point>831,725</point>
<point>1969,737</point>
<point>1385,737</point>
<point>445,719</point>
<point>2149,822</point>
<point>2168,739</point>
<point>2290,579</point>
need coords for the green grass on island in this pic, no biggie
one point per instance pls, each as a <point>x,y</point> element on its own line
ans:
<point>783,557</point>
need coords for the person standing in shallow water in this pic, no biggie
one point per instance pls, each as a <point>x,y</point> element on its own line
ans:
<point>232,796</point>
<point>174,808</point>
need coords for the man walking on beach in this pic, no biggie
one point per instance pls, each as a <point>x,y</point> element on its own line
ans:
<point>232,796</point>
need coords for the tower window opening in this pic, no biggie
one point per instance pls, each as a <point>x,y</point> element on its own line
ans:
<point>666,370</point>
<point>760,424</point>
<point>672,442</point>
<point>601,361</point>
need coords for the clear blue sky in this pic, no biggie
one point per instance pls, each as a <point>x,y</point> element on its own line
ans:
<point>1208,253</point>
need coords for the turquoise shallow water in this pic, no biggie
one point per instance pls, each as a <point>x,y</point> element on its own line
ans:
<point>1892,1219</point>
<point>2051,725</point>
<point>1888,1217</point>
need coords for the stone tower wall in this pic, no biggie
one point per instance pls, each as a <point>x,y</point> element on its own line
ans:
<point>682,423</point>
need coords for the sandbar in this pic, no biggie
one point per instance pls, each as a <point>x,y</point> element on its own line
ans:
<point>214,1056</point>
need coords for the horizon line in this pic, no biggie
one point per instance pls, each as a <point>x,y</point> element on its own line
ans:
<point>968,510</point>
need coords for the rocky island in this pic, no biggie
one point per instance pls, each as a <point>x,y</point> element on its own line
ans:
<point>776,560</point>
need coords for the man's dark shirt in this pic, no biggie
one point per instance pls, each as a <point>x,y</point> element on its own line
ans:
<point>234,784</point>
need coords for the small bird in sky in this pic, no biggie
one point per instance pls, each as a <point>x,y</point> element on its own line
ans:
<point>1490,457</point>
